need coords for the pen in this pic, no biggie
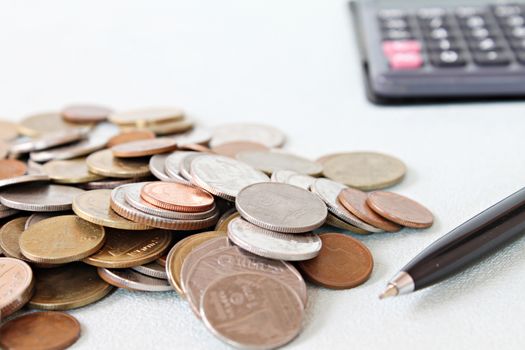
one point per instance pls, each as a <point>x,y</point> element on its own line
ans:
<point>464,245</point>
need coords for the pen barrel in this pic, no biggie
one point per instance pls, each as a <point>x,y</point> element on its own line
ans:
<point>469,242</point>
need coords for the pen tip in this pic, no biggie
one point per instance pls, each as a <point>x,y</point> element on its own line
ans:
<point>390,291</point>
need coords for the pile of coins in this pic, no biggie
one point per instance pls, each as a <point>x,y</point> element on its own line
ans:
<point>92,199</point>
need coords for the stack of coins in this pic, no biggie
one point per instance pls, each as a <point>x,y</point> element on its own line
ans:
<point>92,199</point>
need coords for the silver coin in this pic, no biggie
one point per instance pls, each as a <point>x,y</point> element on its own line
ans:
<point>328,191</point>
<point>130,279</point>
<point>302,181</point>
<point>156,166</point>
<point>152,269</point>
<point>23,179</point>
<point>48,140</point>
<point>37,217</point>
<point>39,197</point>
<point>223,176</point>
<point>271,244</point>
<point>281,207</point>
<point>273,161</point>
<point>263,134</point>
<point>198,135</point>
<point>135,200</point>
<point>185,165</point>
<point>282,175</point>
<point>172,166</point>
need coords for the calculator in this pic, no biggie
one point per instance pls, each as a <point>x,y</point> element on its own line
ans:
<point>419,51</point>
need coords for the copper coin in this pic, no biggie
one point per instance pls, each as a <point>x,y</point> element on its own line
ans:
<point>230,149</point>
<point>343,263</point>
<point>355,201</point>
<point>129,136</point>
<point>48,330</point>
<point>11,168</point>
<point>252,310</point>
<point>16,285</point>
<point>177,197</point>
<point>85,113</point>
<point>142,148</point>
<point>400,209</point>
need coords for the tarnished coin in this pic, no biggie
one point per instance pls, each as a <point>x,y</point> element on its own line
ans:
<point>8,130</point>
<point>177,197</point>
<point>262,134</point>
<point>104,163</point>
<point>94,206</point>
<point>48,140</point>
<point>73,171</point>
<point>11,168</point>
<point>343,263</point>
<point>282,176</point>
<point>173,164</point>
<point>302,181</point>
<point>273,161</point>
<point>145,116</point>
<point>328,191</point>
<point>23,179</point>
<point>39,197</point>
<point>223,176</point>
<point>67,287</point>
<point>16,286</point>
<point>48,330</point>
<point>231,149</point>
<point>224,220</point>
<point>355,201</point>
<point>157,167</point>
<point>38,124</point>
<point>130,248</point>
<point>37,217</point>
<point>197,135</point>
<point>281,207</point>
<point>61,239</point>
<point>85,113</point>
<point>180,251</point>
<point>130,136</point>
<point>400,209</point>
<point>365,170</point>
<point>142,148</point>
<point>131,279</point>
<point>271,244</point>
<point>153,269</point>
<point>262,312</point>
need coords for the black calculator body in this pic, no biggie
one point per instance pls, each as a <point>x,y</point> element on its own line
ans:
<point>418,51</point>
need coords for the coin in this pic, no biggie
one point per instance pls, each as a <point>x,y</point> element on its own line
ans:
<point>162,260</point>
<point>67,287</point>
<point>129,136</point>
<point>73,171</point>
<point>302,181</point>
<point>231,149</point>
<point>180,251</point>
<point>173,164</point>
<point>282,176</point>
<point>195,147</point>
<point>48,330</point>
<point>142,148</point>
<point>328,191</point>
<point>37,217</point>
<point>355,201</point>
<point>327,157</point>
<point>145,116</point>
<point>223,176</point>
<point>196,135</point>
<point>262,312</point>
<point>273,161</point>
<point>400,209</point>
<point>185,165</point>
<point>8,130</point>
<point>273,245</point>
<point>109,183</point>
<point>130,248</point>
<point>365,170</point>
<point>4,149</point>
<point>38,124</point>
<point>334,221</point>
<point>152,269</point>
<point>103,163</point>
<point>177,197</point>
<point>262,134</point>
<point>49,140</point>
<point>9,236</point>
<point>224,220</point>
<point>11,167</point>
<point>130,279</point>
<point>16,286</point>
<point>23,179</point>
<point>94,206</point>
<point>85,113</point>
<point>61,239</point>
<point>7,213</point>
<point>169,127</point>
<point>343,263</point>
<point>39,197</point>
<point>281,207</point>
<point>157,168</point>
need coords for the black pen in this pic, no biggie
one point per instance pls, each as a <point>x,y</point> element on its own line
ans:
<point>467,243</point>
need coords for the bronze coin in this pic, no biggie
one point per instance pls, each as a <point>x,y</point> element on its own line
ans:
<point>40,331</point>
<point>16,285</point>
<point>142,148</point>
<point>355,201</point>
<point>11,168</point>
<point>230,149</point>
<point>129,136</point>
<point>85,113</point>
<point>177,197</point>
<point>400,209</point>
<point>343,263</point>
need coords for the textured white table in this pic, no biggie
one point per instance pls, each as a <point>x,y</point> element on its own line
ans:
<point>292,64</point>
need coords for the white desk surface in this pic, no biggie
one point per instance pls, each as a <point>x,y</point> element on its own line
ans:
<point>292,64</point>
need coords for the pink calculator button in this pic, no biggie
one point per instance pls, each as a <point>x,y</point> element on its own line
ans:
<point>391,47</point>
<point>406,60</point>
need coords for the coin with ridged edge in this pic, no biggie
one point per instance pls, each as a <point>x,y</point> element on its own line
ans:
<point>273,161</point>
<point>157,167</point>
<point>23,179</point>
<point>16,285</point>
<point>105,164</point>
<point>152,269</point>
<point>172,165</point>
<point>39,197</point>
<point>133,280</point>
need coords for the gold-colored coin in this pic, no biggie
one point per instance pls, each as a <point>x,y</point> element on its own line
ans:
<point>222,225</point>
<point>128,249</point>
<point>94,206</point>
<point>365,170</point>
<point>68,287</point>
<point>103,163</point>
<point>334,221</point>
<point>73,171</point>
<point>42,123</point>
<point>146,116</point>
<point>61,239</point>
<point>165,128</point>
<point>180,251</point>
<point>8,130</point>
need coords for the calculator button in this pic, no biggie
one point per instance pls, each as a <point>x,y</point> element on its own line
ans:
<point>487,44</point>
<point>443,45</point>
<point>397,34</point>
<point>448,58</point>
<point>518,44</point>
<point>491,58</point>
<point>439,33</point>
<point>392,47</point>
<point>518,32</point>
<point>514,21</point>
<point>520,56</point>
<point>474,22</point>
<point>478,33</point>
<point>405,61</point>
<point>433,23</point>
